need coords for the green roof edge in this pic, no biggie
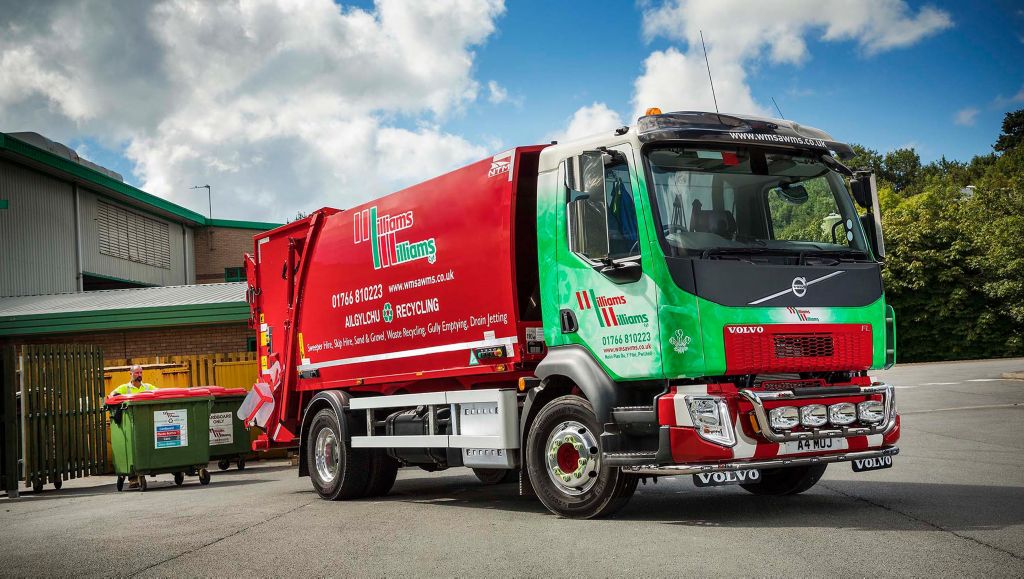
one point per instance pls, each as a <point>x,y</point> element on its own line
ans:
<point>257,225</point>
<point>24,149</point>
<point>146,317</point>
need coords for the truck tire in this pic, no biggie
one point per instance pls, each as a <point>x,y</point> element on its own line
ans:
<point>336,469</point>
<point>565,434</point>
<point>383,471</point>
<point>786,481</point>
<point>496,476</point>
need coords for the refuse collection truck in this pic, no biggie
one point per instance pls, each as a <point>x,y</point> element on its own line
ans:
<point>698,294</point>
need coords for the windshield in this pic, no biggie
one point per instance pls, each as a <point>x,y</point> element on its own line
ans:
<point>751,198</point>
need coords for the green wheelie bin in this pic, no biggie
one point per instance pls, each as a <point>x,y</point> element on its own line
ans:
<point>162,431</point>
<point>229,440</point>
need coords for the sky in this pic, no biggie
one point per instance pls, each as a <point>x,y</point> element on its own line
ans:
<point>284,106</point>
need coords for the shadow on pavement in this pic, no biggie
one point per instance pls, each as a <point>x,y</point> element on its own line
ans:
<point>160,484</point>
<point>835,504</point>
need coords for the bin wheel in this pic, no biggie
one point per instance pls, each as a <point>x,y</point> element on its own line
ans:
<point>204,476</point>
<point>142,483</point>
<point>241,464</point>
<point>58,483</point>
<point>179,478</point>
<point>224,464</point>
<point>37,485</point>
<point>120,483</point>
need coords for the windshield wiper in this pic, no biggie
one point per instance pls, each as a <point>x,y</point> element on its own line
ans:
<point>744,251</point>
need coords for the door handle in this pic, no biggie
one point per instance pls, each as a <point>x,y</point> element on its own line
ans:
<point>569,323</point>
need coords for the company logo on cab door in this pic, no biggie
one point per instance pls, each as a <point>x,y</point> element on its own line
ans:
<point>604,308</point>
<point>383,232</point>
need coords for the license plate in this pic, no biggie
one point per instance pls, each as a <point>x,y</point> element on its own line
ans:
<point>813,445</point>
<point>876,463</point>
<point>732,477</point>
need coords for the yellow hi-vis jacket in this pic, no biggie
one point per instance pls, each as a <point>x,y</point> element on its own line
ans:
<point>129,389</point>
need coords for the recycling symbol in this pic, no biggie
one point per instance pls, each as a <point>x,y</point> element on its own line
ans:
<point>389,314</point>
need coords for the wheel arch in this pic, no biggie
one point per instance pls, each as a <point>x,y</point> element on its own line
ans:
<point>336,400</point>
<point>574,364</point>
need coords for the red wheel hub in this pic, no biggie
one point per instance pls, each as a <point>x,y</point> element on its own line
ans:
<point>568,458</point>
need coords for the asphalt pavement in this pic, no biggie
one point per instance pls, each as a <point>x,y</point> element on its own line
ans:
<point>952,505</point>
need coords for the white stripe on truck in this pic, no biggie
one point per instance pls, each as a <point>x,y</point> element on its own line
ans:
<point>410,353</point>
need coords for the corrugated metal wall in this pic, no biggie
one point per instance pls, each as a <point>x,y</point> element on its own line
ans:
<point>37,233</point>
<point>93,261</point>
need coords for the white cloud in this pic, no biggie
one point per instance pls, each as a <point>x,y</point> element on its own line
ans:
<point>496,94</point>
<point>281,105</point>
<point>1002,102</point>
<point>966,117</point>
<point>740,34</point>
<point>588,121</point>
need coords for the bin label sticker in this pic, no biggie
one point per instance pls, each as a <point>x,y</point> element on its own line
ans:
<point>221,429</point>
<point>170,428</point>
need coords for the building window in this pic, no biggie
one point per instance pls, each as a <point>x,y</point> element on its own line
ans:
<point>234,274</point>
<point>250,344</point>
<point>134,237</point>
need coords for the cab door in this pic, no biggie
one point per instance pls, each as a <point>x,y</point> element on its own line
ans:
<point>607,300</point>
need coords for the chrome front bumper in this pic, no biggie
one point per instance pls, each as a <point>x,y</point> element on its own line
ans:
<point>888,399</point>
<point>677,469</point>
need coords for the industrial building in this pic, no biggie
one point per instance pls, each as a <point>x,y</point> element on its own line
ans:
<point>69,228</point>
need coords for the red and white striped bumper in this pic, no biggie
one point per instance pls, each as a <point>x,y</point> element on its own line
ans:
<point>755,442</point>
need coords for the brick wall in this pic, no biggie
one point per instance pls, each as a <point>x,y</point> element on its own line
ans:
<point>145,343</point>
<point>216,248</point>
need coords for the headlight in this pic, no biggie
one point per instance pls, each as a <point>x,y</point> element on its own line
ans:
<point>842,414</point>
<point>783,418</point>
<point>871,412</point>
<point>710,416</point>
<point>813,415</point>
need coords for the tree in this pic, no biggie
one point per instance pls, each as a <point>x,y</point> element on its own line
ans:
<point>1013,132</point>
<point>901,167</point>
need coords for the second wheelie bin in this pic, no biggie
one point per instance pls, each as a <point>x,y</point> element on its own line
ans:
<point>229,440</point>
<point>162,431</point>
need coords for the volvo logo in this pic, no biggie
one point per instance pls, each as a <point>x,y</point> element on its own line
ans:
<point>799,287</point>
<point>745,329</point>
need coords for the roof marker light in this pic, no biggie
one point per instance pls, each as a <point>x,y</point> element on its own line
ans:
<point>653,111</point>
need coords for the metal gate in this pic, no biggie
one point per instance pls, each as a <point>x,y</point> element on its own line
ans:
<point>62,420</point>
<point>10,444</point>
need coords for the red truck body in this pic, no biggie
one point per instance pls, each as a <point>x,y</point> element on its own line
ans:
<point>398,290</point>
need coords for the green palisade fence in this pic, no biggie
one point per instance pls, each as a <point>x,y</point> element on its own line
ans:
<point>63,422</point>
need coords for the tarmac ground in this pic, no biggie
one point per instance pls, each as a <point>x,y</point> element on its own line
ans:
<point>953,504</point>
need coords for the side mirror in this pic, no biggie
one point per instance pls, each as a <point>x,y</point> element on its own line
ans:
<point>625,272</point>
<point>861,186</point>
<point>588,212</point>
<point>865,185</point>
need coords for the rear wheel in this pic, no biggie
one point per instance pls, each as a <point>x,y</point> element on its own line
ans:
<point>563,455</point>
<point>142,484</point>
<point>223,464</point>
<point>383,471</point>
<point>179,478</point>
<point>241,464</point>
<point>786,481</point>
<point>120,483</point>
<point>336,469</point>
<point>204,476</point>
<point>496,476</point>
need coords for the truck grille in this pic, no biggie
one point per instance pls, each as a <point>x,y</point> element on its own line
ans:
<point>797,347</point>
<point>813,346</point>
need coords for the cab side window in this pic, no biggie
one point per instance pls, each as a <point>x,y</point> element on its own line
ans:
<point>602,214</point>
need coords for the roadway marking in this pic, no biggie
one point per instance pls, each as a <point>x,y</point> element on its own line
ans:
<point>939,383</point>
<point>986,380</point>
<point>1011,405</point>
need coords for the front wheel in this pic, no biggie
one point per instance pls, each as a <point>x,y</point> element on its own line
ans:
<point>204,476</point>
<point>179,478</point>
<point>563,458</point>
<point>786,481</point>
